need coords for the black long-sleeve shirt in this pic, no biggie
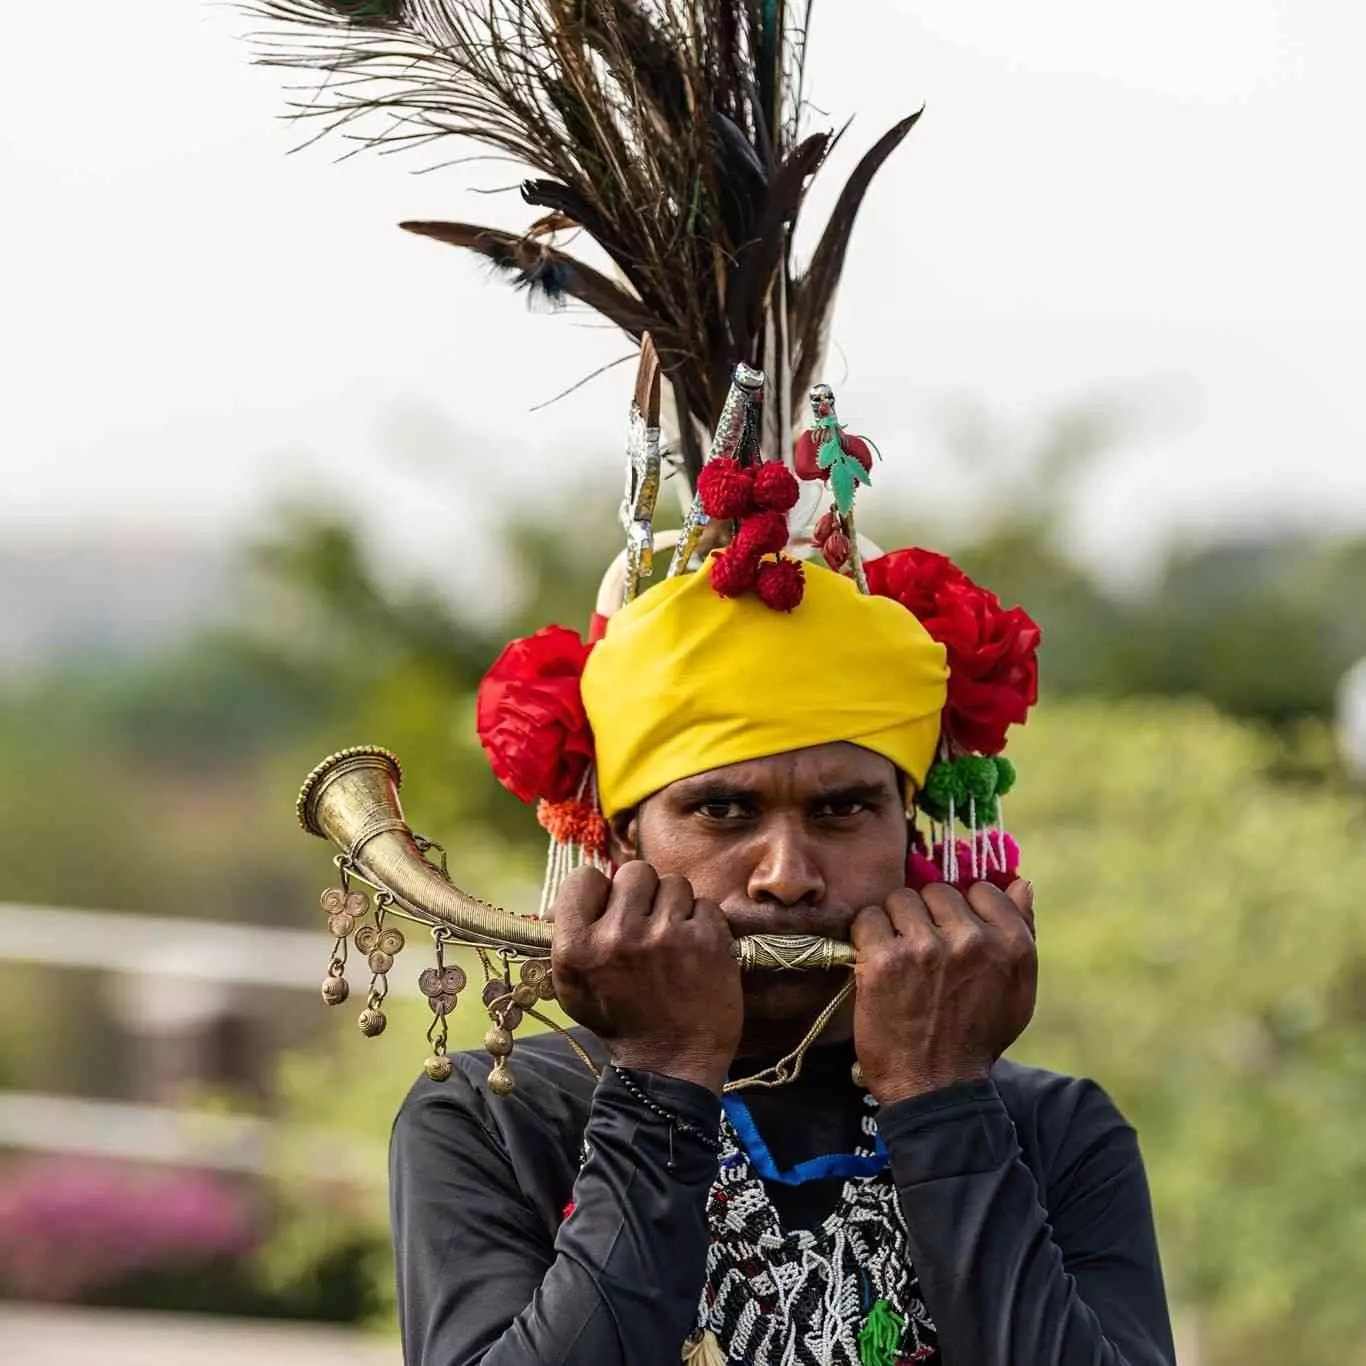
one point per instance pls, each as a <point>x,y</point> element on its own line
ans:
<point>1027,1206</point>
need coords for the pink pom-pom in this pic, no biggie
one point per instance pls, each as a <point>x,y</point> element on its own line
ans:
<point>922,871</point>
<point>775,487</point>
<point>781,584</point>
<point>726,489</point>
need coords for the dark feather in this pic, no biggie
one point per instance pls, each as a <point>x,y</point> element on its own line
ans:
<point>667,130</point>
<point>811,309</point>
<point>759,259</point>
<point>534,263</point>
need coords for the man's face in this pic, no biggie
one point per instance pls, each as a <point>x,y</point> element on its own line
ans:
<point>796,843</point>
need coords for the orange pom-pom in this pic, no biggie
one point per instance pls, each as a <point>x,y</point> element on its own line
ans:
<point>780,584</point>
<point>775,487</point>
<point>574,822</point>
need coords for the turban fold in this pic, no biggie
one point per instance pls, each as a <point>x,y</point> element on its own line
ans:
<point>685,681</point>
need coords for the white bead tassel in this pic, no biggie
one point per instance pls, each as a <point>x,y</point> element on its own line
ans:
<point>950,847</point>
<point>563,858</point>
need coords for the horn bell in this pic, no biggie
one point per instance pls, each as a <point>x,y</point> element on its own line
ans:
<point>351,798</point>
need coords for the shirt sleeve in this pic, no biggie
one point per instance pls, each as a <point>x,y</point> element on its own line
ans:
<point>483,1278</point>
<point>1016,1276</point>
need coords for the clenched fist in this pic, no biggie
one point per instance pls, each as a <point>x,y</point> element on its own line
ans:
<point>650,970</point>
<point>945,983</point>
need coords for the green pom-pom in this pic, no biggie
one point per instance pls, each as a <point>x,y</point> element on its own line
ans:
<point>979,778</point>
<point>983,813</point>
<point>1005,775</point>
<point>944,783</point>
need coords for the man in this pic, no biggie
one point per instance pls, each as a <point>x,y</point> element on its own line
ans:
<point>908,1195</point>
<point>769,1168</point>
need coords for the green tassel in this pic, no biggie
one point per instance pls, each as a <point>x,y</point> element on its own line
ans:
<point>879,1340</point>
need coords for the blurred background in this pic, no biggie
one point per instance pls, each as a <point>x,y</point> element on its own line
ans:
<point>278,479</point>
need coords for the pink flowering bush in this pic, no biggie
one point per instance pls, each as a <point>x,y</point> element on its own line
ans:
<point>70,1229</point>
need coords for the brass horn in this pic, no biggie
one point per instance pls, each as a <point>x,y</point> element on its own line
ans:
<point>351,798</point>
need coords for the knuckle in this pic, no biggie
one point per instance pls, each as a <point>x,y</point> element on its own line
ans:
<point>973,941</point>
<point>904,899</point>
<point>636,876</point>
<point>923,951</point>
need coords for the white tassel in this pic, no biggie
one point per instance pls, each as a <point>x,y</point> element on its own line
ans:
<point>702,1349</point>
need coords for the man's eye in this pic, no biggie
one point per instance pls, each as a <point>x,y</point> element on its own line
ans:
<point>841,810</point>
<point>722,810</point>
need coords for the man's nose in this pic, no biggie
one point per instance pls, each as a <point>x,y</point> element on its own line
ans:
<point>786,870</point>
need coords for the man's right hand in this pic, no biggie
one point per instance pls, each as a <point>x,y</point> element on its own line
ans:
<point>650,970</point>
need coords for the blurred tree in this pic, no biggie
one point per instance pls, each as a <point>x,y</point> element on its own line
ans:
<point>1205,958</point>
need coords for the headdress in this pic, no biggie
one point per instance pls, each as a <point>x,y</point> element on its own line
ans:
<point>670,132</point>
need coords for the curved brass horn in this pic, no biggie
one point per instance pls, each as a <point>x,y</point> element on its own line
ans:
<point>351,798</point>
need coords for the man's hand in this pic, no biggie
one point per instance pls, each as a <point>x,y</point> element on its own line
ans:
<point>650,970</point>
<point>944,985</point>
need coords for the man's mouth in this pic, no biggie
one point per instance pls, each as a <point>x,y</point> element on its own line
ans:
<point>827,922</point>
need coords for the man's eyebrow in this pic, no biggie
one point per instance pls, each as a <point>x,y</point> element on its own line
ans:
<point>714,788</point>
<point>865,792</point>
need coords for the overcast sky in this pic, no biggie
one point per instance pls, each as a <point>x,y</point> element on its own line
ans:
<point>1158,201</point>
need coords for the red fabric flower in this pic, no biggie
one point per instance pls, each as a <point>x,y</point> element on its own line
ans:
<point>725,489</point>
<point>775,486</point>
<point>913,577</point>
<point>992,650</point>
<point>530,718</point>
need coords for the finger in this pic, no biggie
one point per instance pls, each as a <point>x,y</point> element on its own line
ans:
<point>580,901</point>
<point>871,927</point>
<point>673,899</point>
<point>1021,892</point>
<point>950,911</point>
<point>633,891</point>
<point>999,909</point>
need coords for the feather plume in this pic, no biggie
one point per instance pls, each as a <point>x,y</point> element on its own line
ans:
<point>670,131</point>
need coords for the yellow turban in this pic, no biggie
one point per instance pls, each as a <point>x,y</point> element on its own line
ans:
<point>685,681</point>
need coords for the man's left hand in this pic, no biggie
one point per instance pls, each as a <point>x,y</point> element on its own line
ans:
<point>944,984</point>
